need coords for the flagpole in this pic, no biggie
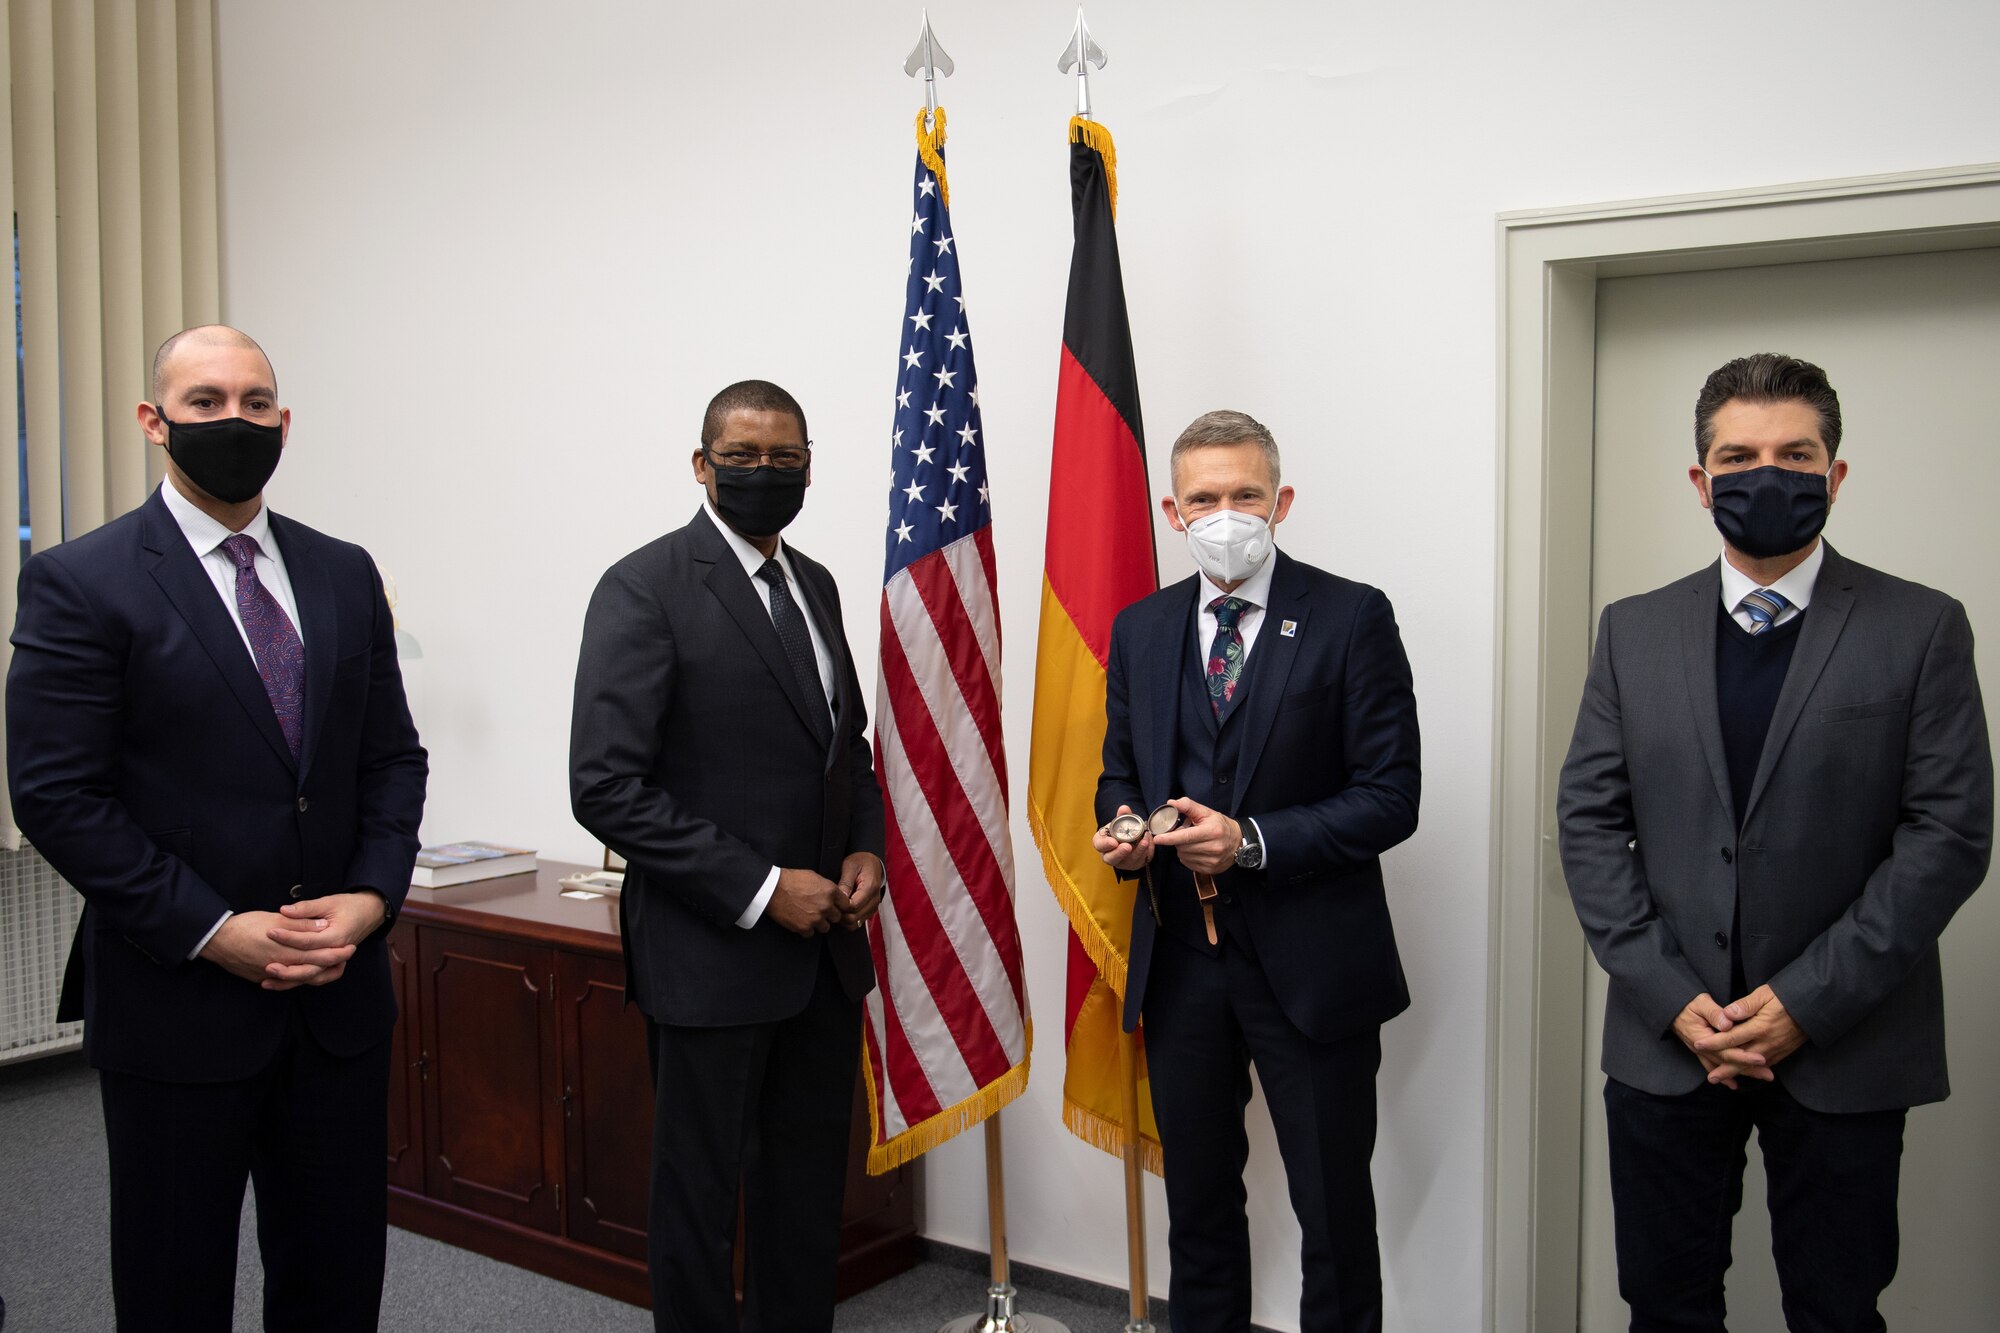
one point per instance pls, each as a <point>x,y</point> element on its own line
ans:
<point>1082,52</point>
<point>1135,1196</point>
<point>1000,1316</point>
<point>929,59</point>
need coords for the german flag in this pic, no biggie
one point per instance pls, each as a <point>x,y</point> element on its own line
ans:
<point>1100,560</point>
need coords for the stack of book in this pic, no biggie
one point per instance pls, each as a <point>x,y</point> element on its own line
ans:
<point>463,862</point>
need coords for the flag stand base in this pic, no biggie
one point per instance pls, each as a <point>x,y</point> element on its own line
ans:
<point>1001,1318</point>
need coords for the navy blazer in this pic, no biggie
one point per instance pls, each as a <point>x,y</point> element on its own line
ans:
<point>147,766</point>
<point>1330,769</point>
<point>691,757</point>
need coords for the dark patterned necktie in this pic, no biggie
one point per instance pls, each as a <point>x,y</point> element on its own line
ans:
<point>281,657</point>
<point>1763,606</point>
<point>790,623</point>
<point>1225,655</point>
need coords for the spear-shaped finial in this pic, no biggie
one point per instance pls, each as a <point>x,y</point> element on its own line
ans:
<point>1079,56</point>
<point>929,57</point>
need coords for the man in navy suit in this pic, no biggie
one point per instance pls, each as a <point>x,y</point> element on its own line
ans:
<point>1270,704</point>
<point>207,737</point>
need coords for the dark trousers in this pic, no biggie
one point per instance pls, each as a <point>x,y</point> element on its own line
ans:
<point>768,1105</point>
<point>1677,1182</point>
<point>1207,1020</point>
<point>310,1132</point>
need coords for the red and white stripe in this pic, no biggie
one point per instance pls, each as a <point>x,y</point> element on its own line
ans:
<point>949,1016</point>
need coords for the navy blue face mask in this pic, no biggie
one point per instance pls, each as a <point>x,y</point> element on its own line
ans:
<point>1768,511</point>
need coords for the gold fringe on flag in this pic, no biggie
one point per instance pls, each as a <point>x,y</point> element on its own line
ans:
<point>930,143</point>
<point>925,1135</point>
<point>1089,132</point>
<point>1108,1135</point>
<point>1105,955</point>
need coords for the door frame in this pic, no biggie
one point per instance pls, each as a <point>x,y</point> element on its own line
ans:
<point>1550,261</point>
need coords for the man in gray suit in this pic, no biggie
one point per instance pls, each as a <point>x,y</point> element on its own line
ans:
<point>1778,792</point>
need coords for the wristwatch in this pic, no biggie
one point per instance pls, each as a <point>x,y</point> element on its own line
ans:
<point>1250,852</point>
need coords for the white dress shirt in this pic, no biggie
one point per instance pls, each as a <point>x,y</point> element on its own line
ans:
<point>753,560</point>
<point>1796,587</point>
<point>1256,591</point>
<point>205,536</point>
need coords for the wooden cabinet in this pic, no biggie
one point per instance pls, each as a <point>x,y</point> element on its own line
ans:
<point>521,1101</point>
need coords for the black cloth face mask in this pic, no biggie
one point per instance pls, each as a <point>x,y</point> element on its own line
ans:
<point>231,459</point>
<point>1768,511</point>
<point>759,501</point>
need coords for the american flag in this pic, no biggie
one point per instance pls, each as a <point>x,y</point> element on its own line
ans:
<point>947,1029</point>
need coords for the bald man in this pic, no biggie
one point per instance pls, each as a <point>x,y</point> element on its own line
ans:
<point>207,737</point>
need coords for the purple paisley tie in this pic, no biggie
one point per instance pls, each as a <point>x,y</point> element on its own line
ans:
<point>281,657</point>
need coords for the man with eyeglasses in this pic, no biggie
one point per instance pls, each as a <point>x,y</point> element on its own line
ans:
<point>717,745</point>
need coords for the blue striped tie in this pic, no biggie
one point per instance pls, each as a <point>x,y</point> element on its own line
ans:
<point>1763,607</point>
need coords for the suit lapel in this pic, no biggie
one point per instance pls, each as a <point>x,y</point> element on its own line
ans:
<point>731,587</point>
<point>1156,679</point>
<point>1697,632</point>
<point>174,566</point>
<point>1276,651</point>
<point>1825,618</point>
<point>312,593</point>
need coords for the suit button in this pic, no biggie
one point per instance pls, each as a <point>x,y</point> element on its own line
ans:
<point>1728,856</point>
<point>1721,940</point>
<point>1222,779</point>
<point>298,890</point>
<point>302,809</point>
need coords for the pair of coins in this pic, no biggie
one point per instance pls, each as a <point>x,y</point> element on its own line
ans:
<point>1130,828</point>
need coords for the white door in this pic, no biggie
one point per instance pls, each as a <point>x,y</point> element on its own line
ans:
<point>1912,344</point>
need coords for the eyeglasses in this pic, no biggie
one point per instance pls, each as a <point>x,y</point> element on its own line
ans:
<point>744,458</point>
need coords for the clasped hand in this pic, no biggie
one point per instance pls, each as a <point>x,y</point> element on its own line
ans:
<point>807,903</point>
<point>1206,841</point>
<point>1740,1040</point>
<point>305,943</point>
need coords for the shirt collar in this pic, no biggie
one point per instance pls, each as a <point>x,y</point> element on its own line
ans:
<point>749,556</point>
<point>204,534</point>
<point>1256,590</point>
<point>1795,587</point>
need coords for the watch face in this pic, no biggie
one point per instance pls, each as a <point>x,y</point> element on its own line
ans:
<point>1250,855</point>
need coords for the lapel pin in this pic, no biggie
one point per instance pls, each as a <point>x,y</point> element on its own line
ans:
<point>1290,629</point>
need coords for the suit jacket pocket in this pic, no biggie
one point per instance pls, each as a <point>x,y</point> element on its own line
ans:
<point>1856,712</point>
<point>1318,694</point>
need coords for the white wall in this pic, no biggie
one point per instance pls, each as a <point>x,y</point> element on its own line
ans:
<point>503,252</point>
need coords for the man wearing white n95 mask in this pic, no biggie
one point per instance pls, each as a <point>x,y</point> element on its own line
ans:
<point>1270,704</point>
